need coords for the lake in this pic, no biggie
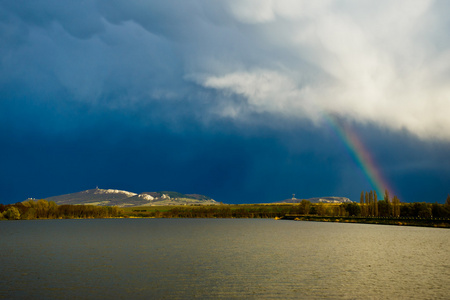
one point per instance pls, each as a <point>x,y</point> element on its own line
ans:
<point>221,258</point>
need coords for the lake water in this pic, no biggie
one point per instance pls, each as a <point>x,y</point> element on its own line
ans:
<point>221,258</point>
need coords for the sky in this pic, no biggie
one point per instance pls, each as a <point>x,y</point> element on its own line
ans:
<point>245,101</point>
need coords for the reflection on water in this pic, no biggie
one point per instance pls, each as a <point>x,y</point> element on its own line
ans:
<point>221,258</point>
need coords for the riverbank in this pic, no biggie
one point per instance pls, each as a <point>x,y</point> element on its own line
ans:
<point>422,222</point>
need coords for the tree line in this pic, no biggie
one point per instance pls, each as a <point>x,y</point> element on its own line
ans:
<point>389,208</point>
<point>43,209</point>
<point>372,207</point>
<point>369,206</point>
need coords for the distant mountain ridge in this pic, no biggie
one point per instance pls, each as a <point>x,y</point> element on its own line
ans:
<point>319,200</point>
<point>112,197</point>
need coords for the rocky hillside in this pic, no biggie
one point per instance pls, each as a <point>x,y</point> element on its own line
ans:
<point>111,197</point>
<point>319,200</point>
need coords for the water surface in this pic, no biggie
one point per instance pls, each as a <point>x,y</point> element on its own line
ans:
<point>221,258</point>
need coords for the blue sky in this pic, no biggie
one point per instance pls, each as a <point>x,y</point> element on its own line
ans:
<point>223,98</point>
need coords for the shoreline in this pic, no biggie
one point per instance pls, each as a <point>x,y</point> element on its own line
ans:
<point>434,223</point>
<point>418,222</point>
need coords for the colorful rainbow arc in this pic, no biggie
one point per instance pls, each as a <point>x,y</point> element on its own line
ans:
<point>360,154</point>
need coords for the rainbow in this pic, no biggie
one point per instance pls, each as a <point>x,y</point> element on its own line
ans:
<point>360,154</point>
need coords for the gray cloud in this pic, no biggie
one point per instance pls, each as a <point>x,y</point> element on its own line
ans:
<point>377,62</point>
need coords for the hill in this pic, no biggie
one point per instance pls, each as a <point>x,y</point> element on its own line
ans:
<point>319,200</point>
<point>111,197</point>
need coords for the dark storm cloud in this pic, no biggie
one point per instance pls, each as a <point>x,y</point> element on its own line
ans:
<point>117,153</point>
<point>291,58</point>
<point>224,98</point>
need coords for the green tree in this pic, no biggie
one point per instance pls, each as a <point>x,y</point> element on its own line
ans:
<point>12,213</point>
<point>388,203</point>
<point>439,211</point>
<point>361,203</point>
<point>320,209</point>
<point>342,211</point>
<point>396,207</point>
<point>447,202</point>
<point>41,209</point>
<point>305,206</point>
<point>366,205</point>
<point>29,214</point>
<point>375,203</point>
<point>52,210</point>
<point>422,210</point>
<point>353,209</point>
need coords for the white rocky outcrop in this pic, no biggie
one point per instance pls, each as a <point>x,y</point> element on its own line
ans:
<point>146,197</point>
<point>111,191</point>
<point>319,200</point>
<point>330,200</point>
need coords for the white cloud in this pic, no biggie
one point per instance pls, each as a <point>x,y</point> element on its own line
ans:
<point>253,11</point>
<point>369,61</point>
<point>268,91</point>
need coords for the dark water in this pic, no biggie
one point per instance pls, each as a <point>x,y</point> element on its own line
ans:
<point>221,258</point>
